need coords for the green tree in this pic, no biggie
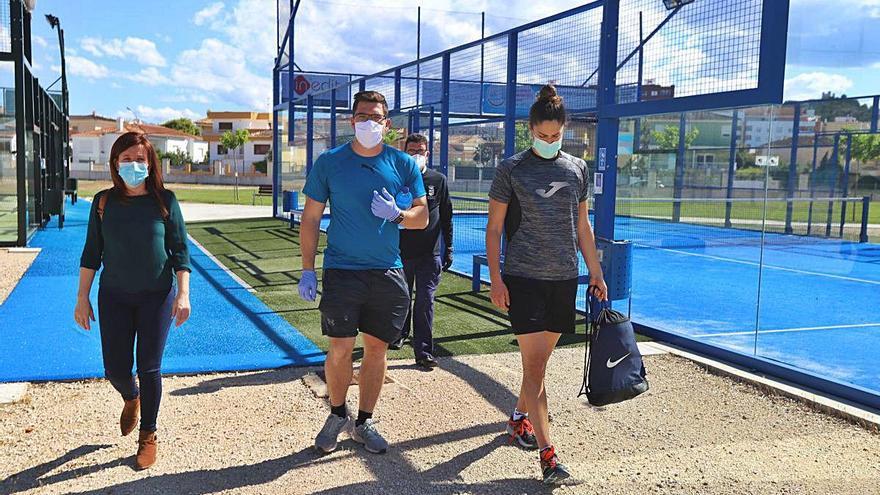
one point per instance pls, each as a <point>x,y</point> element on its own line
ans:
<point>232,141</point>
<point>483,153</point>
<point>183,124</point>
<point>866,147</point>
<point>830,107</point>
<point>667,138</point>
<point>523,139</point>
<point>178,158</point>
<point>392,136</point>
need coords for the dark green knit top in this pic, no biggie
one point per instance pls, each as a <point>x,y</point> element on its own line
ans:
<point>140,251</point>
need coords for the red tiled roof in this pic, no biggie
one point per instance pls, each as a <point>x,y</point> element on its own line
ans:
<point>148,129</point>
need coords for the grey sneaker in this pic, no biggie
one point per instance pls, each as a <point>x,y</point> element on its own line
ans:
<point>327,437</point>
<point>368,435</point>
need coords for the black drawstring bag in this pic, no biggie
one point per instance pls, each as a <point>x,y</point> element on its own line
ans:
<point>613,367</point>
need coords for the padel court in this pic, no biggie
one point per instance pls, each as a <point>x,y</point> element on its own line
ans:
<point>818,296</point>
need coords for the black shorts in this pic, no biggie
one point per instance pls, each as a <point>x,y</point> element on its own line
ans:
<point>539,305</point>
<point>374,301</point>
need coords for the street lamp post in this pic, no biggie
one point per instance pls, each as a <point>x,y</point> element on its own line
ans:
<point>55,23</point>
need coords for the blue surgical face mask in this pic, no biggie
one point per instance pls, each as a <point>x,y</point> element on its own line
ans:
<point>547,150</point>
<point>134,173</point>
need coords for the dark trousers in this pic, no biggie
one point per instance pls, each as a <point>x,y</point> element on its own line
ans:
<point>123,317</point>
<point>423,276</point>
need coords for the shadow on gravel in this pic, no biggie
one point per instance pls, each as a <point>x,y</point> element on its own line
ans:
<point>33,477</point>
<point>206,481</point>
<point>268,377</point>
<point>395,473</point>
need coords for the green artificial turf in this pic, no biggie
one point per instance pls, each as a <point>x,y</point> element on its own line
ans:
<point>265,254</point>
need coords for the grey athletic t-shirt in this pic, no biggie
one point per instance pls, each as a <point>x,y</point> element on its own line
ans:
<point>542,213</point>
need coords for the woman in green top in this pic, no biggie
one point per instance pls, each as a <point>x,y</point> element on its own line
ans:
<point>136,232</point>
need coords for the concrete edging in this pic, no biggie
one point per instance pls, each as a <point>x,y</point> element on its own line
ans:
<point>10,393</point>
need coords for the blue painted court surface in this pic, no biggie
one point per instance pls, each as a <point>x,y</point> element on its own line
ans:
<point>819,298</point>
<point>230,328</point>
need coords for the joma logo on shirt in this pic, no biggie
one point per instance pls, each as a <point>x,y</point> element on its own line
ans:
<point>554,188</point>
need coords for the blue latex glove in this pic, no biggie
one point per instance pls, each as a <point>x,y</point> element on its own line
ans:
<point>308,285</point>
<point>384,206</point>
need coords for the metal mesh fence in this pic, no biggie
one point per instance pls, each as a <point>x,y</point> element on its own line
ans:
<point>564,52</point>
<point>706,47</point>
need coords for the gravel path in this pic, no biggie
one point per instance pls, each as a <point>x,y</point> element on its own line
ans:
<point>693,433</point>
<point>12,267</point>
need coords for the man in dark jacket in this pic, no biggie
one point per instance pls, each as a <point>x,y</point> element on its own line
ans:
<point>421,254</point>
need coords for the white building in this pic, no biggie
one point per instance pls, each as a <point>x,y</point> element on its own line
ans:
<point>91,149</point>
<point>258,150</point>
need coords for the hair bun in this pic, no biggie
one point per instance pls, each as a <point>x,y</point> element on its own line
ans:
<point>548,93</point>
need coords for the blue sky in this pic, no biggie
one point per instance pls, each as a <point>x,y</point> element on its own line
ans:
<point>167,58</point>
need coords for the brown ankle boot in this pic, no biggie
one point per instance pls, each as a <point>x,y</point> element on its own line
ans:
<point>147,450</point>
<point>129,417</point>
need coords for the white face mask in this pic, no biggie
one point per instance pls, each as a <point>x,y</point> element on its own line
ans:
<point>421,161</point>
<point>369,134</point>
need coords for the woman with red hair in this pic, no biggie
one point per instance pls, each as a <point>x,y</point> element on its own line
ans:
<point>136,232</point>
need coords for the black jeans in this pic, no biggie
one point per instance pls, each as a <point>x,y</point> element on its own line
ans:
<point>423,276</point>
<point>123,316</point>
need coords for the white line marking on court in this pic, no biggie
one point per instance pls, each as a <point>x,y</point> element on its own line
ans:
<point>783,330</point>
<point>752,263</point>
<point>229,272</point>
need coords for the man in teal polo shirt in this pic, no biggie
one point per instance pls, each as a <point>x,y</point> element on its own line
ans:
<point>364,287</point>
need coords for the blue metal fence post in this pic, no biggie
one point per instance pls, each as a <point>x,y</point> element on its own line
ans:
<point>310,133</point>
<point>849,144</point>
<point>875,113</point>
<point>291,108</point>
<point>431,139</point>
<point>397,105</point>
<point>332,118</point>
<point>731,167</point>
<point>863,231</point>
<point>792,166</point>
<point>362,85</point>
<point>510,96</point>
<point>417,120</point>
<point>444,118</point>
<point>832,184</point>
<point>276,142</point>
<point>678,183</point>
<point>812,182</point>
<point>605,181</point>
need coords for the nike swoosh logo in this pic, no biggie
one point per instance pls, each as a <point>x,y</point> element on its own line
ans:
<point>610,364</point>
<point>554,188</point>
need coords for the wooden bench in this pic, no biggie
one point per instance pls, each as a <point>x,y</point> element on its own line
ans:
<point>481,260</point>
<point>262,190</point>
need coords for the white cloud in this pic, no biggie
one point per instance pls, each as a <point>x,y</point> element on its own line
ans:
<point>187,97</point>
<point>93,46</point>
<point>145,51</point>
<point>249,26</point>
<point>40,40</point>
<point>153,114</point>
<point>813,84</point>
<point>139,49</point>
<point>83,67</point>
<point>208,13</point>
<point>149,76</point>
<point>221,71</point>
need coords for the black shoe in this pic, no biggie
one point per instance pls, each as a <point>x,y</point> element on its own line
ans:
<point>397,344</point>
<point>427,362</point>
<point>555,473</point>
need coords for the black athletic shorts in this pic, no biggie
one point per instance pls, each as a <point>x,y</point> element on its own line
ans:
<point>539,305</point>
<point>374,301</point>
